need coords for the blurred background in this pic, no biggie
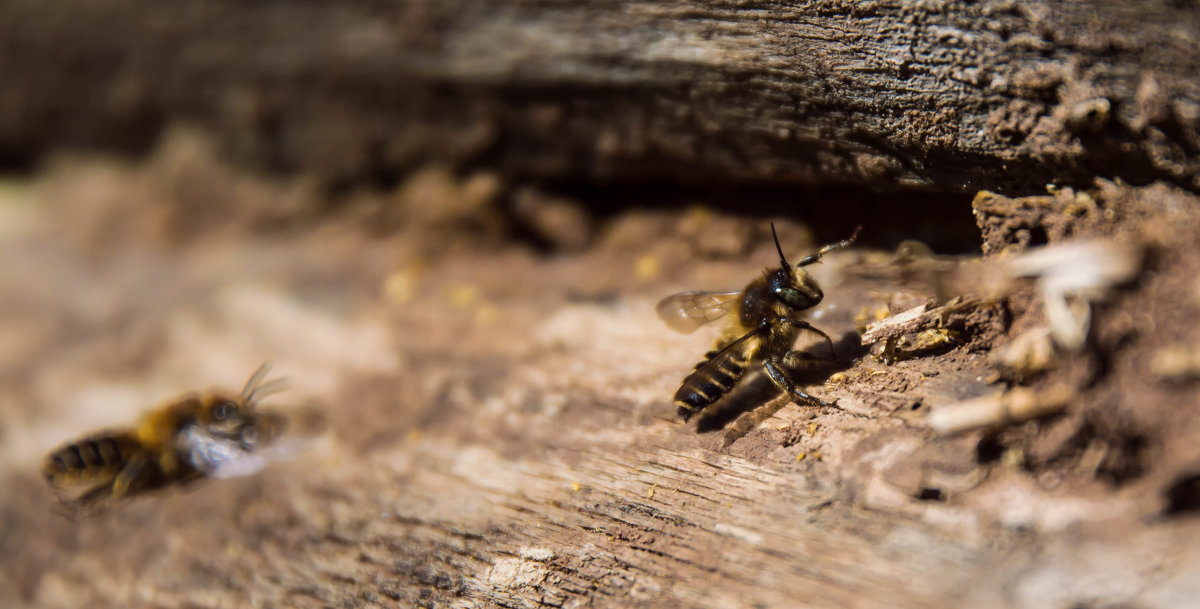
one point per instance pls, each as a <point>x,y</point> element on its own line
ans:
<point>447,225</point>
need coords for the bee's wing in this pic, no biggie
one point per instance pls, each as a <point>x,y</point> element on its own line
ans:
<point>218,456</point>
<point>246,450</point>
<point>686,311</point>
<point>741,349</point>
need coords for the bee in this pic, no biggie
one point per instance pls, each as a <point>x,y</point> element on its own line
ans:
<point>201,435</point>
<point>765,325</point>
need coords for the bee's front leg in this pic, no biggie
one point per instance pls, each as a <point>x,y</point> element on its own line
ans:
<point>775,371</point>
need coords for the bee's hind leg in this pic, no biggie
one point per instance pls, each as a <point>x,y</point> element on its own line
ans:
<point>129,476</point>
<point>774,368</point>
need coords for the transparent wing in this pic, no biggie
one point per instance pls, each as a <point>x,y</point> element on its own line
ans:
<point>740,350</point>
<point>686,311</point>
<point>218,455</point>
<point>250,447</point>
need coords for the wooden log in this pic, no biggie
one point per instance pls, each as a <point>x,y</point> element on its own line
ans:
<point>500,427</point>
<point>946,95</point>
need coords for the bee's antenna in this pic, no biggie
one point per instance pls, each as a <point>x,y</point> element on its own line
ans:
<point>828,248</point>
<point>255,380</point>
<point>265,389</point>
<point>257,388</point>
<point>782,259</point>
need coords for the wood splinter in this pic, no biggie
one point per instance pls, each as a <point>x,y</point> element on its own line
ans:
<point>1000,408</point>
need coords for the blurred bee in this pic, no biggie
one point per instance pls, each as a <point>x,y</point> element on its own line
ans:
<point>213,434</point>
<point>766,325</point>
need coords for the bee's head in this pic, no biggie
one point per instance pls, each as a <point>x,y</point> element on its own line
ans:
<point>795,288</point>
<point>792,285</point>
<point>237,416</point>
<point>223,413</point>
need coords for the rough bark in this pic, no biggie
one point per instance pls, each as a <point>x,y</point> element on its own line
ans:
<point>946,95</point>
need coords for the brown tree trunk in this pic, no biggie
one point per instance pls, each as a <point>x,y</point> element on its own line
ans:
<point>944,95</point>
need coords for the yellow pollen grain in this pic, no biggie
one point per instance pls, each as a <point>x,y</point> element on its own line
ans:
<point>463,296</point>
<point>400,287</point>
<point>701,214</point>
<point>647,267</point>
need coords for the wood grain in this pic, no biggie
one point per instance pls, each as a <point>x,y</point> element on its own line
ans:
<point>951,96</point>
<point>500,433</point>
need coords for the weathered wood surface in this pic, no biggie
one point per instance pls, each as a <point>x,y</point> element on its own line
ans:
<point>500,429</point>
<point>1002,94</point>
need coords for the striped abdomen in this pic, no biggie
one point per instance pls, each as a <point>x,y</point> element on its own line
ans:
<point>92,459</point>
<point>715,376</point>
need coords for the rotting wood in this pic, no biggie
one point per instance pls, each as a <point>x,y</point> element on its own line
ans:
<point>942,95</point>
<point>499,446</point>
<point>1000,408</point>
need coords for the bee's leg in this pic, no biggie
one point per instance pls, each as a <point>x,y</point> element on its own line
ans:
<point>774,368</point>
<point>794,360</point>
<point>94,497</point>
<point>128,476</point>
<point>804,325</point>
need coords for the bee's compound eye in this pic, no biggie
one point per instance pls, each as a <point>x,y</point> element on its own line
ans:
<point>796,299</point>
<point>224,411</point>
